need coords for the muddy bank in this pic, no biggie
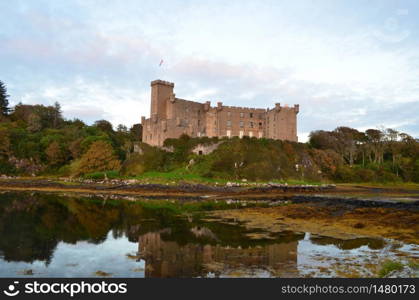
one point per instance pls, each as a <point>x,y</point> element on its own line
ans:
<point>340,220</point>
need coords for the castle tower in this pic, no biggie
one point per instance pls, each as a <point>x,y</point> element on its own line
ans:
<point>161,92</point>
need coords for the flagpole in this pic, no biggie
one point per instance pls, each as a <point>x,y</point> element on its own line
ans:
<point>161,69</point>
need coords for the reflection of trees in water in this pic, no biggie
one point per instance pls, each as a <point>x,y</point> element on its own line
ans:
<point>32,224</point>
<point>374,244</point>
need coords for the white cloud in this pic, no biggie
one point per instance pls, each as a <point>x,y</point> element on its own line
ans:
<point>342,66</point>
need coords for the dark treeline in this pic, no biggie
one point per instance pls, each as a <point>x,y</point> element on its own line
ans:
<point>37,140</point>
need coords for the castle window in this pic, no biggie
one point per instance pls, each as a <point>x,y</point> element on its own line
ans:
<point>251,115</point>
<point>241,124</point>
<point>260,124</point>
<point>199,122</point>
<point>251,124</point>
<point>229,114</point>
<point>229,123</point>
<point>241,115</point>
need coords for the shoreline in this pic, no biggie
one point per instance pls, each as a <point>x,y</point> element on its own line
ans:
<point>370,195</point>
<point>187,189</point>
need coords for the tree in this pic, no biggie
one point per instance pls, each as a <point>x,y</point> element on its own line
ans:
<point>321,139</point>
<point>55,154</point>
<point>375,141</point>
<point>122,128</point>
<point>75,148</point>
<point>34,123</point>
<point>394,147</point>
<point>57,115</point>
<point>136,132</point>
<point>347,142</point>
<point>4,143</point>
<point>104,125</point>
<point>4,100</point>
<point>99,157</point>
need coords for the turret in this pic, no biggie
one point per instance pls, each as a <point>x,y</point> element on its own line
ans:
<point>161,92</point>
<point>219,106</point>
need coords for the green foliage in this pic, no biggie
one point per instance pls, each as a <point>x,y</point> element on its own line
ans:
<point>255,160</point>
<point>55,154</point>
<point>99,157</point>
<point>7,168</point>
<point>102,175</point>
<point>133,166</point>
<point>389,266</point>
<point>35,138</point>
<point>366,175</point>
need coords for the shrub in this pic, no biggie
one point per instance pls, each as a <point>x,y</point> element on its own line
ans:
<point>385,176</point>
<point>366,175</point>
<point>133,166</point>
<point>345,174</point>
<point>95,176</point>
<point>7,168</point>
<point>99,157</point>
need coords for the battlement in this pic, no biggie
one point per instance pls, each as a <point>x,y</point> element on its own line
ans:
<point>278,107</point>
<point>244,108</point>
<point>162,82</point>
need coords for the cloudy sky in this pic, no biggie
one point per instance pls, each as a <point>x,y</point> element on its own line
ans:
<point>347,63</point>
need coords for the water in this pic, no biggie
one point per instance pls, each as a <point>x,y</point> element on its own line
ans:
<point>50,235</point>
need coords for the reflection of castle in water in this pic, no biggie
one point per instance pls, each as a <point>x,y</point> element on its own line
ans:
<point>169,259</point>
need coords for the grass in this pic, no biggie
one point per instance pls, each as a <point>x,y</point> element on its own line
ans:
<point>186,176</point>
<point>178,175</point>
<point>389,266</point>
<point>182,175</point>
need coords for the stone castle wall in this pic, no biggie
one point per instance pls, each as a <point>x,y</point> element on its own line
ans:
<point>170,117</point>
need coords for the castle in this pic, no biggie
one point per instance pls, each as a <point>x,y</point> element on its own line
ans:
<point>171,117</point>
